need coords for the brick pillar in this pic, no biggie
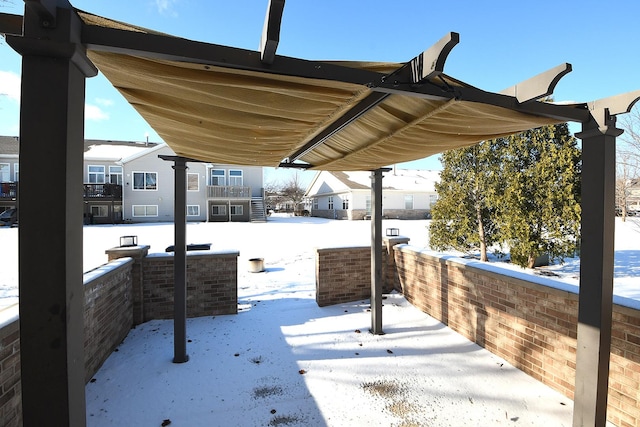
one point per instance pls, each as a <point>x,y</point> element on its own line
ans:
<point>391,278</point>
<point>138,253</point>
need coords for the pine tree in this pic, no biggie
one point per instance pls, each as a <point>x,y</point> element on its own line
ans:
<point>521,191</point>
<point>540,210</point>
<point>464,215</point>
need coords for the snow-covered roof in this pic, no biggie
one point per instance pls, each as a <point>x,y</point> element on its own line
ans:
<point>108,152</point>
<point>395,179</point>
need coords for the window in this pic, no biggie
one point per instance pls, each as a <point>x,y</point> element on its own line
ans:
<point>193,182</point>
<point>330,202</point>
<point>193,210</point>
<point>115,175</point>
<point>408,201</point>
<point>368,205</point>
<point>100,211</point>
<point>315,203</point>
<point>345,202</point>
<point>218,210</point>
<point>217,177</point>
<point>145,210</point>
<point>96,174</point>
<point>16,174</point>
<point>433,198</point>
<point>235,178</point>
<point>145,181</point>
<point>236,210</point>
<point>5,172</point>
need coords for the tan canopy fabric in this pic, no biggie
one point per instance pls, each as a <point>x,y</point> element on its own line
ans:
<point>226,115</point>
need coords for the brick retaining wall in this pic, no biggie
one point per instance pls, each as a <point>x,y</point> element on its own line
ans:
<point>212,284</point>
<point>110,306</point>
<point>531,325</point>
<point>344,274</point>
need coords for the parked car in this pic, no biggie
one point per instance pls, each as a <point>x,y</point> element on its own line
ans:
<point>9,217</point>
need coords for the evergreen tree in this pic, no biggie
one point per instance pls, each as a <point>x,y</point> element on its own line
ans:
<point>540,210</point>
<point>464,214</point>
<point>522,191</point>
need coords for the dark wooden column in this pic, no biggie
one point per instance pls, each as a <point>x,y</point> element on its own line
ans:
<point>180,263</point>
<point>54,69</point>
<point>596,272</point>
<point>376,254</point>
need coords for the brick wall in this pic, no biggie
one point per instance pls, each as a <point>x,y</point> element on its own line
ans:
<point>108,311</point>
<point>212,284</point>
<point>531,325</point>
<point>344,274</point>
<point>10,387</point>
<point>107,318</point>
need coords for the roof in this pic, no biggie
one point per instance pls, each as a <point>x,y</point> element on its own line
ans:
<point>94,149</point>
<point>220,104</point>
<point>393,180</point>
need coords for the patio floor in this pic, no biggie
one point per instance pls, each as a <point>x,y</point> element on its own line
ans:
<point>283,361</point>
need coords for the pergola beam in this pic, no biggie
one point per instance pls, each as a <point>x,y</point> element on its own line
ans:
<point>428,64</point>
<point>157,46</point>
<point>538,86</point>
<point>271,31</point>
<point>11,24</point>
<point>419,69</point>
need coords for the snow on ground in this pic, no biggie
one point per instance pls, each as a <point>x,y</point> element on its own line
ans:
<point>285,361</point>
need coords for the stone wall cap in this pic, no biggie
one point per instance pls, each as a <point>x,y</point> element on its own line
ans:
<point>218,253</point>
<point>105,269</point>
<point>125,249</point>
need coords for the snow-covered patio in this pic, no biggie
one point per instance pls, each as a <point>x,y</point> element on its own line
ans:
<point>285,361</point>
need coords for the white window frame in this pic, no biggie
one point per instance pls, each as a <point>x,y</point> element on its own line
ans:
<point>191,207</point>
<point>222,210</point>
<point>144,173</point>
<point>236,180</point>
<point>197,181</point>
<point>5,176</point>
<point>103,211</point>
<point>119,175</point>
<point>146,211</point>
<point>223,177</point>
<point>99,176</point>
<point>408,201</point>
<point>329,202</point>
<point>237,210</point>
<point>16,172</point>
<point>345,203</point>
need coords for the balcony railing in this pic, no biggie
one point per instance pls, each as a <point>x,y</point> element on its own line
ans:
<point>228,192</point>
<point>100,191</point>
<point>8,190</point>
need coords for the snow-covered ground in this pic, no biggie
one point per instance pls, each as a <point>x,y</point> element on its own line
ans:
<point>284,361</point>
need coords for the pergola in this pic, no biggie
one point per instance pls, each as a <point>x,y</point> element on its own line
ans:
<point>221,104</point>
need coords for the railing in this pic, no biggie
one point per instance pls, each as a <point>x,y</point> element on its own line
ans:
<point>8,190</point>
<point>99,191</point>
<point>228,192</point>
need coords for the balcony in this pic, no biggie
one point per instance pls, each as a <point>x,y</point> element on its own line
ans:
<point>103,191</point>
<point>228,192</point>
<point>8,190</point>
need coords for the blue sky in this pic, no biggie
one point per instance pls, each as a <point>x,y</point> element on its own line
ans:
<point>501,43</point>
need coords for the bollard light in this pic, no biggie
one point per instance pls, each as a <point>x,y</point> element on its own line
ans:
<point>128,241</point>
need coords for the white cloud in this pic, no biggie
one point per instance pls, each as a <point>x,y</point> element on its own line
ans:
<point>104,102</point>
<point>165,6</point>
<point>10,85</point>
<point>93,112</point>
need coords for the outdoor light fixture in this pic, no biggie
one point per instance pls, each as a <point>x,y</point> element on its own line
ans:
<point>128,241</point>
<point>393,231</point>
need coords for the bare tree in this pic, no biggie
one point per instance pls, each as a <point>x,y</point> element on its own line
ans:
<point>628,161</point>
<point>293,191</point>
<point>626,179</point>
